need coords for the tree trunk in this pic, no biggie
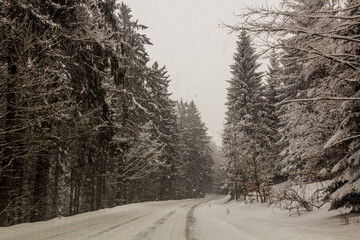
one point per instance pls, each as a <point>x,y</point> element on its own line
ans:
<point>236,191</point>
<point>7,163</point>
<point>257,182</point>
<point>77,195</point>
<point>40,189</point>
<point>55,189</point>
<point>93,182</point>
<point>71,193</point>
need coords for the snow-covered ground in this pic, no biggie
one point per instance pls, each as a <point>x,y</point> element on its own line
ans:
<point>194,219</point>
<point>258,221</point>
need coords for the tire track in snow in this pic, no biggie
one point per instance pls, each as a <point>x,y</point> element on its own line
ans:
<point>190,223</point>
<point>148,232</point>
<point>61,234</point>
<point>117,226</point>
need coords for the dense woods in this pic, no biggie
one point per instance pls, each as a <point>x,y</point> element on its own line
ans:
<point>86,121</point>
<point>301,121</point>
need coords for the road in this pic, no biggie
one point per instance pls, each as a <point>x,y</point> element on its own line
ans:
<point>191,219</point>
<point>154,220</point>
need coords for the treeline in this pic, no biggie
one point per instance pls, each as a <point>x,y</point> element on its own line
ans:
<point>85,121</point>
<point>303,124</point>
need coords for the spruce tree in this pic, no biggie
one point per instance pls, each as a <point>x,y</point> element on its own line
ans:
<point>40,97</point>
<point>344,190</point>
<point>86,124</point>
<point>249,133</point>
<point>196,161</point>
<point>274,96</point>
<point>164,118</point>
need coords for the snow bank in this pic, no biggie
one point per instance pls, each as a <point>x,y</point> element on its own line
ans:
<point>237,220</point>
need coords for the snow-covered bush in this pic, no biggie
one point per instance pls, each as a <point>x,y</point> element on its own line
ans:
<point>298,197</point>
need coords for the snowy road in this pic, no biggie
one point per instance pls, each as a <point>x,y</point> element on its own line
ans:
<point>153,220</point>
<point>192,219</point>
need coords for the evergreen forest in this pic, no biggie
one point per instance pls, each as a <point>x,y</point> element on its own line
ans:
<point>299,120</point>
<point>87,120</point>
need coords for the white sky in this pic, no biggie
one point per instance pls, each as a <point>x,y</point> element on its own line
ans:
<point>197,53</point>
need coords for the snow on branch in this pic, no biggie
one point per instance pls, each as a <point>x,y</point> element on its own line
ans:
<point>286,30</point>
<point>331,143</point>
<point>320,99</point>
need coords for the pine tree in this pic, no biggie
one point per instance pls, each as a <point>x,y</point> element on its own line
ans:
<point>85,122</point>
<point>218,173</point>
<point>236,177</point>
<point>344,189</point>
<point>248,124</point>
<point>326,45</point>
<point>305,126</point>
<point>196,162</point>
<point>200,153</point>
<point>39,96</point>
<point>274,95</point>
<point>164,118</point>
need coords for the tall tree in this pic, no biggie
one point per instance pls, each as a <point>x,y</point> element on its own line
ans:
<point>196,166</point>
<point>323,35</point>
<point>345,187</point>
<point>38,100</point>
<point>164,118</point>
<point>274,95</point>
<point>85,123</point>
<point>248,132</point>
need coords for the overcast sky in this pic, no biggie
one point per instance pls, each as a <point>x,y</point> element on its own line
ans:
<point>197,53</point>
